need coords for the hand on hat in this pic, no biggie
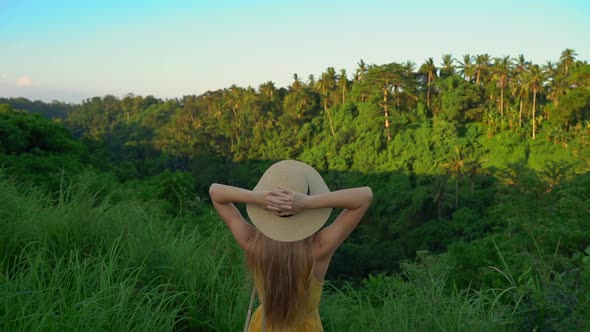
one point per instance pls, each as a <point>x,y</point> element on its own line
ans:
<point>284,202</point>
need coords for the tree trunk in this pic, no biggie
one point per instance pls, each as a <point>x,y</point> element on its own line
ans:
<point>329,117</point>
<point>457,193</point>
<point>428,93</point>
<point>520,114</point>
<point>534,105</point>
<point>386,114</point>
<point>502,101</point>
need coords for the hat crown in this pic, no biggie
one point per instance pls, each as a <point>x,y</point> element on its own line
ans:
<point>298,177</point>
<point>290,174</point>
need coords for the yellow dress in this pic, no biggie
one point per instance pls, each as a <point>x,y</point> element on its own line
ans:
<point>312,321</point>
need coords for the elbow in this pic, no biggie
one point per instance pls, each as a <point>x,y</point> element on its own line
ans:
<point>367,195</point>
<point>213,189</point>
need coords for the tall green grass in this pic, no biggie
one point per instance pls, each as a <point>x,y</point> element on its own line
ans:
<point>79,263</point>
<point>417,300</point>
<point>90,259</point>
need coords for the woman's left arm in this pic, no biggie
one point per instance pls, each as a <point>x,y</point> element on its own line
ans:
<point>223,197</point>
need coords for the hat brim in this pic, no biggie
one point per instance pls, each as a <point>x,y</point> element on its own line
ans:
<point>292,175</point>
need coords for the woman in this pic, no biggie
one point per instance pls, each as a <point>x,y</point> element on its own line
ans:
<point>286,251</point>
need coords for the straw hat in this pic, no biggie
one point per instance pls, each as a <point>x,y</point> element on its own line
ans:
<point>299,177</point>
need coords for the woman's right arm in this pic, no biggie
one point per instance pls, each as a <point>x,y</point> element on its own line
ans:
<point>350,199</point>
<point>355,202</point>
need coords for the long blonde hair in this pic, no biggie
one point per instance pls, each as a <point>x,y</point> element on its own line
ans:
<point>282,272</point>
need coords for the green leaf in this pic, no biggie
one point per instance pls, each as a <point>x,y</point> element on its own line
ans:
<point>587,251</point>
<point>586,260</point>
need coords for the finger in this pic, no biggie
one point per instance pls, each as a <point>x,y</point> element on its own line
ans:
<point>280,207</point>
<point>273,208</point>
<point>281,189</point>
<point>279,213</point>
<point>277,201</point>
<point>281,195</point>
<point>273,201</point>
<point>278,190</point>
<point>285,190</point>
<point>277,194</point>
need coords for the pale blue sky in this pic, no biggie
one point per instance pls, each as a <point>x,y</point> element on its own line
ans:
<point>70,50</point>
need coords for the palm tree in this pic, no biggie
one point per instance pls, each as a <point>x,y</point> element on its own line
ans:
<point>473,169</point>
<point>455,166</point>
<point>482,62</point>
<point>550,69</point>
<point>557,82</point>
<point>406,84</point>
<point>501,71</point>
<point>448,69</point>
<point>110,104</point>
<point>359,77</point>
<point>466,67</point>
<point>233,98</point>
<point>409,68</point>
<point>520,90</point>
<point>361,71</point>
<point>297,84</point>
<point>343,84</point>
<point>429,69</point>
<point>521,65</point>
<point>299,103</point>
<point>567,58</point>
<point>311,81</point>
<point>331,76</point>
<point>535,81</point>
<point>440,196</point>
<point>387,78</point>
<point>268,89</point>
<point>325,85</point>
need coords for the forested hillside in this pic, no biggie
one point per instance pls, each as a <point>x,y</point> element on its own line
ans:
<point>479,167</point>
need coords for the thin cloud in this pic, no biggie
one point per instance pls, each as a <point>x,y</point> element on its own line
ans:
<point>24,81</point>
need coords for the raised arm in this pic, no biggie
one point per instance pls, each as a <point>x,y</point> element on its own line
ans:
<point>223,197</point>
